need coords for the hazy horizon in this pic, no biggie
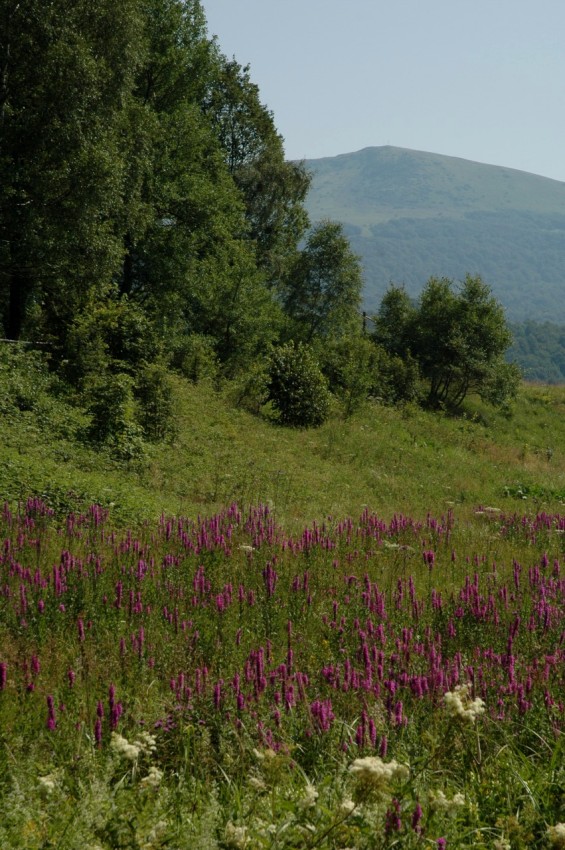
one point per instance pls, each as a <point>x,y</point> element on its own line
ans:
<point>482,81</point>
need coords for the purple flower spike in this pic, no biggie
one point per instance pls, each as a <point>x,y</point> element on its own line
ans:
<point>51,721</point>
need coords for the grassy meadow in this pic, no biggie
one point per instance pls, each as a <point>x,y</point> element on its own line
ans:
<point>254,637</point>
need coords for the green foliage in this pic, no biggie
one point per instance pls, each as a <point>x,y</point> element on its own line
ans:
<point>393,325</point>
<point>398,379</point>
<point>24,378</point>
<point>458,340</point>
<point>250,390</point>
<point>323,291</point>
<point>471,354</point>
<point>127,131</point>
<point>155,398</point>
<point>110,403</point>
<point>67,80</point>
<point>113,335</point>
<point>232,305</point>
<point>350,364</point>
<point>194,356</point>
<point>273,190</point>
<point>297,387</point>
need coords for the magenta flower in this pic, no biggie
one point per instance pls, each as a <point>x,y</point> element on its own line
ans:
<point>51,721</point>
<point>417,818</point>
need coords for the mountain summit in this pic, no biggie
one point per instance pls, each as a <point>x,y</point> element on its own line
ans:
<point>411,215</point>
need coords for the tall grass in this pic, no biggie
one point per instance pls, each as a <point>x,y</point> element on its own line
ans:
<point>257,637</point>
<point>216,682</point>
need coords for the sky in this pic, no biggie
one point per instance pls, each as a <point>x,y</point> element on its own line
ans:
<point>478,79</point>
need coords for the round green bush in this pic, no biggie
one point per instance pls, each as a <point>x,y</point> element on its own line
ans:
<point>297,388</point>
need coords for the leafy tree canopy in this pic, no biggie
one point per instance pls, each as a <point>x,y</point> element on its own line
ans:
<point>323,292</point>
<point>458,337</point>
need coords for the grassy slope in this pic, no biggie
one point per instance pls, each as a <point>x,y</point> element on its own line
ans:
<point>58,788</point>
<point>375,185</point>
<point>391,460</point>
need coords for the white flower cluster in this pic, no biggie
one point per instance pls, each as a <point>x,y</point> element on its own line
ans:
<point>48,783</point>
<point>556,835</point>
<point>376,770</point>
<point>440,803</point>
<point>309,798</point>
<point>261,755</point>
<point>121,746</point>
<point>153,778</point>
<point>155,836</point>
<point>147,742</point>
<point>459,704</point>
<point>257,783</point>
<point>236,836</point>
<point>502,844</point>
<point>372,776</point>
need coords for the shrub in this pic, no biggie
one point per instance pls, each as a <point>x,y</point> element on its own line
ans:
<point>297,387</point>
<point>398,379</point>
<point>250,390</point>
<point>195,358</point>
<point>114,335</point>
<point>155,396</point>
<point>24,378</point>
<point>111,406</point>
<point>350,364</point>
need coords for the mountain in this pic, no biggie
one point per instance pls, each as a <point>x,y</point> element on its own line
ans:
<point>411,215</point>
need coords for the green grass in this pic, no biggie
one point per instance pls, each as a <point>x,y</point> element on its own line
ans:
<point>175,588</point>
<point>389,459</point>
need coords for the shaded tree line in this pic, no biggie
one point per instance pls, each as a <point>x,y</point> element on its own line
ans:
<point>539,349</point>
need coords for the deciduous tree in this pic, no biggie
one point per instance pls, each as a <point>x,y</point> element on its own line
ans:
<point>460,338</point>
<point>323,292</point>
<point>65,81</point>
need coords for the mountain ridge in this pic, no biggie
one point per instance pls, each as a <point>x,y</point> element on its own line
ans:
<point>412,214</point>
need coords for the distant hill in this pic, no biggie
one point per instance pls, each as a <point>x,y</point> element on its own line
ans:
<point>411,215</point>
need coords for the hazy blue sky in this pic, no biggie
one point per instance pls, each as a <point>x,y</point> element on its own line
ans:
<point>479,79</point>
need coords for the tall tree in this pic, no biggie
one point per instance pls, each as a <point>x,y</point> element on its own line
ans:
<point>393,325</point>
<point>323,293</point>
<point>66,74</point>
<point>191,237</point>
<point>115,178</point>
<point>459,341</point>
<point>273,189</point>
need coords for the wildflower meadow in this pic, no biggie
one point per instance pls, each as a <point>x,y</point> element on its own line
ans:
<point>215,682</point>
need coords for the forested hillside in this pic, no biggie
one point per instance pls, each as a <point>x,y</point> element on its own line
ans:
<point>539,348</point>
<point>410,215</point>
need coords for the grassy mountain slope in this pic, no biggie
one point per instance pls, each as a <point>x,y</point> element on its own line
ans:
<point>411,215</point>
